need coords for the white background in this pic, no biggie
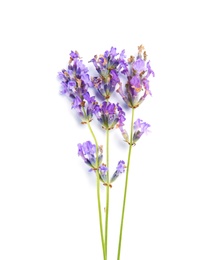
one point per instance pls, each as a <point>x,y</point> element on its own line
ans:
<point>48,206</point>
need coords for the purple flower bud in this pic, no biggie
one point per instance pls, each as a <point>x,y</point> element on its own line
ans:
<point>140,128</point>
<point>88,148</point>
<point>113,52</point>
<point>121,115</point>
<point>150,71</point>
<point>119,170</point>
<point>139,65</point>
<point>61,76</point>
<point>103,173</point>
<point>72,85</point>
<point>120,167</point>
<point>122,55</point>
<point>114,77</point>
<point>76,102</point>
<point>136,84</point>
<point>103,169</point>
<point>74,55</point>
<point>64,88</point>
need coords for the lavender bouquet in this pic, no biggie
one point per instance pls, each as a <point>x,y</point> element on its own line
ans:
<point>115,75</point>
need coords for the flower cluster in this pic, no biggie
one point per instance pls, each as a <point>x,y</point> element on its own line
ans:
<point>85,106</point>
<point>109,115</point>
<point>109,66</point>
<point>75,82</point>
<point>88,153</point>
<point>137,80</point>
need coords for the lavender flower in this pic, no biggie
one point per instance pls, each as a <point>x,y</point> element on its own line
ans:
<point>75,83</point>
<point>109,115</point>
<point>85,107</point>
<point>87,151</point>
<point>140,128</point>
<point>109,66</point>
<point>75,80</point>
<point>103,173</point>
<point>120,169</point>
<point>137,80</point>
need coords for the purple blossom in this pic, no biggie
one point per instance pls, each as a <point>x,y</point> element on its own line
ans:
<point>140,128</point>
<point>87,151</point>
<point>137,80</point>
<point>121,115</point>
<point>109,115</point>
<point>109,66</point>
<point>85,106</point>
<point>113,52</point>
<point>76,102</point>
<point>122,55</point>
<point>114,77</point>
<point>103,169</point>
<point>103,172</point>
<point>61,76</point>
<point>119,170</point>
<point>120,167</point>
<point>75,81</point>
<point>139,65</point>
<point>74,55</point>
<point>136,83</point>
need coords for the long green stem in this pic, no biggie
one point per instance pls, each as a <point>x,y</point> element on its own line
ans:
<point>98,191</point>
<point>108,192</point>
<point>126,185</point>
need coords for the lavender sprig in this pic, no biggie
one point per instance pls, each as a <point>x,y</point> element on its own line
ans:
<point>75,82</point>
<point>112,69</point>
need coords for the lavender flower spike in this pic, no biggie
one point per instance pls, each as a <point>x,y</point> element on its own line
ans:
<point>109,115</point>
<point>109,66</point>
<point>85,106</point>
<point>120,169</point>
<point>75,82</point>
<point>137,80</point>
<point>140,128</point>
<point>87,151</point>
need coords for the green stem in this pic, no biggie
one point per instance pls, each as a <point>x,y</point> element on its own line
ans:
<point>98,191</point>
<point>126,185</point>
<point>107,192</point>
